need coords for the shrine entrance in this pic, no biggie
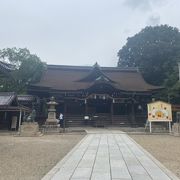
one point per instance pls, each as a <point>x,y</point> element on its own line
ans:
<point>98,106</point>
<point>99,111</point>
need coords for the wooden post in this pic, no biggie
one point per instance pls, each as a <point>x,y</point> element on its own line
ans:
<point>86,121</point>
<point>112,112</point>
<point>64,117</point>
<point>132,113</point>
<point>5,116</point>
<point>150,127</point>
<point>65,107</point>
<point>169,126</point>
<point>24,114</point>
<point>86,108</point>
<point>20,114</point>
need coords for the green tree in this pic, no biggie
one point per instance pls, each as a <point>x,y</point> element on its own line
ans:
<point>28,69</point>
<point>156,51</point>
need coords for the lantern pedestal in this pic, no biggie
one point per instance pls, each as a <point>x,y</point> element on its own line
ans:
<point>51,120</point>
<point>52,124</point>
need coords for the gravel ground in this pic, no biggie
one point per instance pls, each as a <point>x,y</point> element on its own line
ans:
<point>165,148</point>
<point>30,158</point>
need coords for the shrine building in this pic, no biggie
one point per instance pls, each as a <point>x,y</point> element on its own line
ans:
<point>115,96</point>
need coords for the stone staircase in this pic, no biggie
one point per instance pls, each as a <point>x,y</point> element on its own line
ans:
<point>74,120</point>
<point>103,120</point>
<point>121,121</point>
<point>78,120</point>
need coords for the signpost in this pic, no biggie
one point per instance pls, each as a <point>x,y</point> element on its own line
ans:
<point>159,111</point>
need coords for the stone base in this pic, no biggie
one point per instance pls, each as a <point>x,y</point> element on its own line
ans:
<point>52,122</point>
<point>49,128</point>
<point>29,129</point>
<point>176,129</point>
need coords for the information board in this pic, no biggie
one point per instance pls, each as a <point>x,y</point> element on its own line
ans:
<point>159,111</point>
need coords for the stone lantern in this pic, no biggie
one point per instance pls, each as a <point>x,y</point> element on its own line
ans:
<point>51,120</point>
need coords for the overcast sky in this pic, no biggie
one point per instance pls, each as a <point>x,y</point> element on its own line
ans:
<point>80,32</point>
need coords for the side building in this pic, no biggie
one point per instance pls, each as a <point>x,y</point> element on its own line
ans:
<point>115,96</point>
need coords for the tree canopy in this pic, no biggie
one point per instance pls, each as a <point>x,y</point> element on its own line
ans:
<point>155,51</point>
<point>28,69</point>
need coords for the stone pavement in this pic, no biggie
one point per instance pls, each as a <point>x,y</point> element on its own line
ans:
<point>109,156</point>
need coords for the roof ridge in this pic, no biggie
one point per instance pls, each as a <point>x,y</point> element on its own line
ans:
<point>53,66</point>
<point>95,73</point>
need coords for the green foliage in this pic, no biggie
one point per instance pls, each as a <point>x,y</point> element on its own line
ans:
<point>14,55</point>
<point>156,51</point>
<point>29,69</point>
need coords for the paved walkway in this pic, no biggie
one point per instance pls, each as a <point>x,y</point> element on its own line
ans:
<point>108,156</point>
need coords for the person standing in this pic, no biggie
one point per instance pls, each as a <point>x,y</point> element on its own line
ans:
<point>61,119</point>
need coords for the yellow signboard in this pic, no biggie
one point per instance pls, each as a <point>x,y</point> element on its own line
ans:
<point>159,111</point>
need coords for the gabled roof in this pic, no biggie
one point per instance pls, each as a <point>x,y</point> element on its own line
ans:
<point>7,98</point>
<point>67,78</point>
<point>96,74</point>
<point>9,102</point>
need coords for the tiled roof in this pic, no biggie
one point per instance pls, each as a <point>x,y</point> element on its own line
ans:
<point>6,98</point>
<point>67,78</point>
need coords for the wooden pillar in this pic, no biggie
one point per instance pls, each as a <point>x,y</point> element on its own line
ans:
<point>65,108</point>
<point>64,117</point>
<point>170,127</point>
<point>5,118</point>
<point>5,115</point>
<point>150,127</point>
<point>132,113</point>
<point>20,115</point>
<point>86,108</point>
<point>112,112</point>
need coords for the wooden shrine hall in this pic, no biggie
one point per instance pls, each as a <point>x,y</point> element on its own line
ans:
<point>94,95</point>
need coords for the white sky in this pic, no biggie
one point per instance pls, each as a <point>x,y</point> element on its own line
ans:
<point>80,32</point>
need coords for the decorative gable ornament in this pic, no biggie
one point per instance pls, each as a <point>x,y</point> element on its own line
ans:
<point>96,75</point>
<point>102,78</point>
